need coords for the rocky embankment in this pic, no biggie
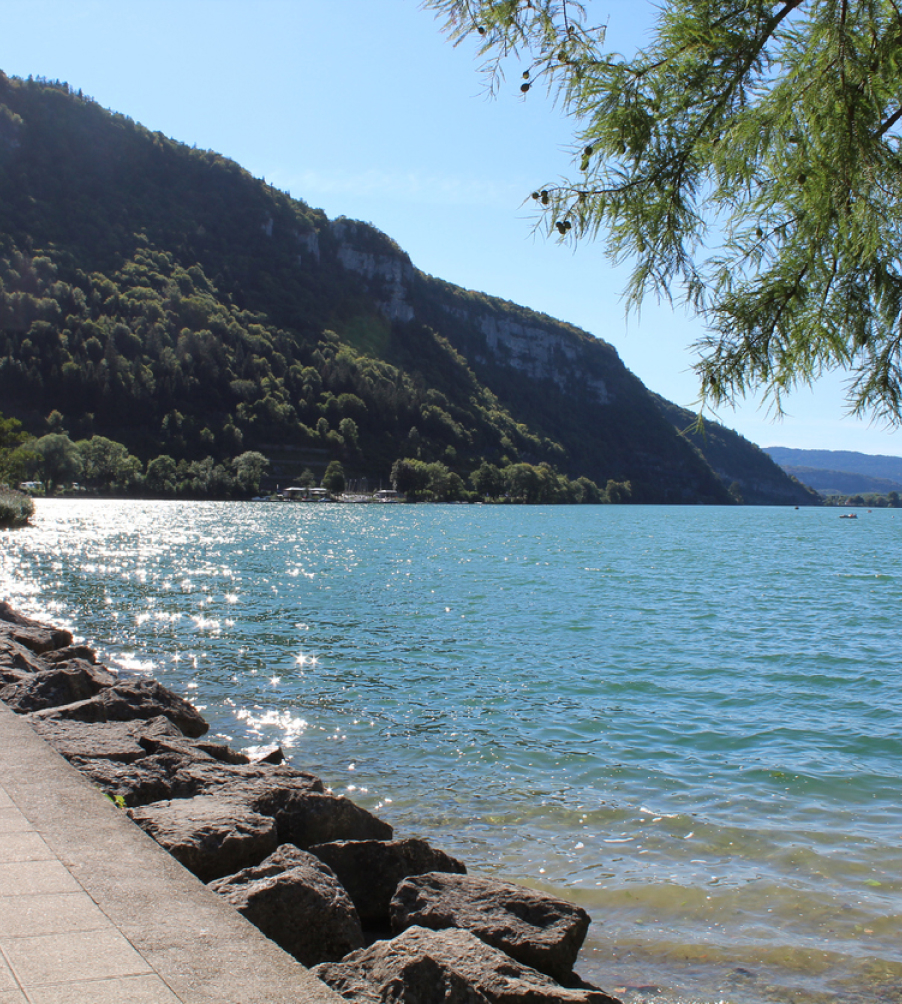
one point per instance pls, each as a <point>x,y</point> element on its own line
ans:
<point>378,919</point>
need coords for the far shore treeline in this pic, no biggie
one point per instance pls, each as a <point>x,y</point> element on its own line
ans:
<point>171,326</point>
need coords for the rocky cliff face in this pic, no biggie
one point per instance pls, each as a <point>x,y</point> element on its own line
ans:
<point>386,269</point>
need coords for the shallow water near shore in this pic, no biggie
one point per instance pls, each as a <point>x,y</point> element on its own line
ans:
<point>688,720</point>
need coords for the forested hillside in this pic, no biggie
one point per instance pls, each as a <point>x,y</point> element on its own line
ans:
<point>161,297</point>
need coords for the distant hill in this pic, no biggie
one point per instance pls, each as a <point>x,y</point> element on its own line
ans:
<point>739,463</point>
<point>842,482</point>
<point>161,296</point>
<point>840,471</point>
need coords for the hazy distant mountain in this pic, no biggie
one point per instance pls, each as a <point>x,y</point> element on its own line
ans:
<point>841,471</point>
<point>871,465</point>
<point>842,482</point>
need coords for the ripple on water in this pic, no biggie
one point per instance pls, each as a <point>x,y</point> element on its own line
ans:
<point>685,719</point>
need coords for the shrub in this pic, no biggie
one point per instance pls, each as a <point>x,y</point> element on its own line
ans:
<point>16,509</point>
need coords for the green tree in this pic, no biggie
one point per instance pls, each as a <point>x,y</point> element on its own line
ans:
<point>334,478</point>
<point>249,469</point>
<point>107,463</point>
<point>747,161</point>
<point>347,427</point>
<point>488,480</point>
<point>59,461</point>
<point>14,458</point>
<point>618,492</point>
<point>161,475</point>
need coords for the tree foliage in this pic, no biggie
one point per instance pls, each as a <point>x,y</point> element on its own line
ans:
<point>747,160</point>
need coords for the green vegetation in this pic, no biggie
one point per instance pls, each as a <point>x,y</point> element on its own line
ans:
<point>16,509</point>
<point>747,157</point>
<point>171,326</point>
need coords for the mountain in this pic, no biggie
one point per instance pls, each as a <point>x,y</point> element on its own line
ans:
<point>842,482</point>
<point>877,466</point>
<point>749,470</point>
<point>162,297</point>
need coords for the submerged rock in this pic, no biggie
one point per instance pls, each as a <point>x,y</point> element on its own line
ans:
<point>296,901</point>
<point>540,931</point>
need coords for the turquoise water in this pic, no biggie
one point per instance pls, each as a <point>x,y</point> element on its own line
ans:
<point>688,720</point>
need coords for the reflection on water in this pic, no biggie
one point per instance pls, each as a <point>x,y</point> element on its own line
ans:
<point>687,720</point>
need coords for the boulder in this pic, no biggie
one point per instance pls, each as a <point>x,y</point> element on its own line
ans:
<point>540,931</point>
<point>17,658</point>
<point>192,748</point>
<point>210,835</point>
<point>389,973</point>
<point>83,652</point>
<point>122,742</point>
<point>128,700</point>
<point>297,902</point>
<point>169,775</point>
<point>66,683</point>
<point>311,817</point>
<point>371,870</point>
<point>30,633</point>
<point>376,973</point>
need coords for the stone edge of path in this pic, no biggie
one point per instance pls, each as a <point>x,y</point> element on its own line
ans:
<point>203,950</point>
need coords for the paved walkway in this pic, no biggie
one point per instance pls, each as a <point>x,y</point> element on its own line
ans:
<point>92,911</point>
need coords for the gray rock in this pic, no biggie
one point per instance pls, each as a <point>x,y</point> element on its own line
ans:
<point>308,818</point>
<point>17,658</point>
<point>170,775</point>
<point>211,836</point>
<point>122,742</point>
<point>538,930</point>
<point>389,973</point>
<point>30,633</point>
<point>370,870</point>
<point>75,680</point>
<point>376,973</point>
<point>129,700</point>
<point>192,748</point>
<point>71,652</point>
<point>297,902</point>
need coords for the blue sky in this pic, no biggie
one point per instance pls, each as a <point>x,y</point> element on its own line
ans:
<point>363,109</point>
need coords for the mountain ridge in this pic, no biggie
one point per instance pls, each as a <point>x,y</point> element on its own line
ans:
<point>162,294</point>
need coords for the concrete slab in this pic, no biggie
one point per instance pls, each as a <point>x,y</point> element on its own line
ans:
<point>31,878</point>
<point>162,936</point>
<point>132,989</point>
<point>49,913</point>
<point>78,955</point>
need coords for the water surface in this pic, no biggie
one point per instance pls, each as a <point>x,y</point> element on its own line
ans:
<point>685,719</point>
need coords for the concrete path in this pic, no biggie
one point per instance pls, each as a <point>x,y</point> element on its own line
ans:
<point>92,911</point>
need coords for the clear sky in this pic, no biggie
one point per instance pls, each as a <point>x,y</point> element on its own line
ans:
<point>363,109</point>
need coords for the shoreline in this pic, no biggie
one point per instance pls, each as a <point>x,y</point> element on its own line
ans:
<point>264,834</point>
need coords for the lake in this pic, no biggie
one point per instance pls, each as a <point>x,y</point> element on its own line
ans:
<point>686,719</point>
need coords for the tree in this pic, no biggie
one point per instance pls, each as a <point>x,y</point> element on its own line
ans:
<point>488,480</point>
<point>334,478</point>
<point>249,469</point>
<point>747,161</point>
<point>161,474</point>
<point>59,461</point>
<point>106,462</point>
<point>14,457</point>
